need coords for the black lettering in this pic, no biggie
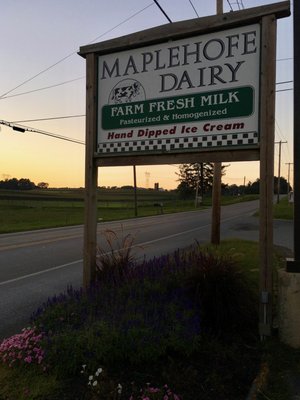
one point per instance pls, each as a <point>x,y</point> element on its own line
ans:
<point>249,39</point>
<point>130,65</point>
<point>217,55</point>
<point>215,72</point>
<point>187,54</point>
<point>171,79</point>
<point>234,70</point>
<point>115,68</point>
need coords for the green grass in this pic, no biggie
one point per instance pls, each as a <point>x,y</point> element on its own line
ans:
<point>38,209</point>
<point>283,368</point>
<point>29,383</point>
<point>284,209</point>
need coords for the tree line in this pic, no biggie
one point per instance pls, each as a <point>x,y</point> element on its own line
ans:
<point>197,179</point>
<point>21,184</point>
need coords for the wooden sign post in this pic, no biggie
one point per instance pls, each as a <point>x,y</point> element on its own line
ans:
<point>293,265</point>
<point>217,182</point>
<point>267,129</point>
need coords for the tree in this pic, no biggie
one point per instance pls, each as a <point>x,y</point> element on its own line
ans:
<point>43,185</point>
<point>284,188</point>
<point>26,184</point>
<point>196,176</point>
<point>17,184</point>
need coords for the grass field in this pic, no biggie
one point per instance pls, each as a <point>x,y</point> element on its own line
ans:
<point>37,209</point>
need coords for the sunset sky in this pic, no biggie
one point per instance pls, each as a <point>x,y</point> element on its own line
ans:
<point>42,85</point>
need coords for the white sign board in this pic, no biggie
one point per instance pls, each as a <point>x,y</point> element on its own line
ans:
<point>192,94</point>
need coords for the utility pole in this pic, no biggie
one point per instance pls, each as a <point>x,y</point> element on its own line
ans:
<point>216,192</point>
<point>289,167</point>
<point>219,6</point>
<point>279,165</point>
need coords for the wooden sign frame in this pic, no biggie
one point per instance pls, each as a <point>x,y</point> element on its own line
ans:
<point>267,17</point>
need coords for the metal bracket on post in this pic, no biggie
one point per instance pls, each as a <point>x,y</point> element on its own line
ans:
<point>265,328</point>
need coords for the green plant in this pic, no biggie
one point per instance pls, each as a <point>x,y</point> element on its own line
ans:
<point>100,385</point>
<point>114,261</point>
<point>153,324</point>
<point>227,303</point>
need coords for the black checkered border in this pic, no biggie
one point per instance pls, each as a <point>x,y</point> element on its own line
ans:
<point>183,143</point>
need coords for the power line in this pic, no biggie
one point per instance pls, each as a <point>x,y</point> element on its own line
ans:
<point>22,129</point>
<point>231,9</point>
<point>236,2</point>
<point>282,138</point>
<point>162,10</point>
<point>38,74</point>
<point>83,115</point>
<point>285,59</point>
<point>121,23</point>
<point>49,119</point>
<point>42,88</point>
<point>73,80</point>
<point>71,54</point>
<point>191,3</point>
<point>282,82</point>
<point>239,4</point>
<point>284,90</point>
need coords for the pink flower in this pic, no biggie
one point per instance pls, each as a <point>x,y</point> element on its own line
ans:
<point>153,390</point>
<point>23,347</point>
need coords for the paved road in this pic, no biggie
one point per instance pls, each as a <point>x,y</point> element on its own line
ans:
<point>38,264</point>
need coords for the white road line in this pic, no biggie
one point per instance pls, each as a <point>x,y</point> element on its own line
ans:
<point>137,245</point>
<point>39,272</point>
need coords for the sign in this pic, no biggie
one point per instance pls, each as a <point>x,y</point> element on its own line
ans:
<point>197,93</point>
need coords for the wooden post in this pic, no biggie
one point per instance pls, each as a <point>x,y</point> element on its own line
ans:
<point>289,170</point>
<point>91,174</point>
<point>279,165</point>
<point>219,6</point>
<point>293,264</point>
<point>216,192</point>
<point>267,128</point>
<point>216,204</point>
<point>135,192</point>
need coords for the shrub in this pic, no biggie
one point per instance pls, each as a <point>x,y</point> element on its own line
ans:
<point>141,328</point>
<point>226,302</point>
<point>148,323</point>
<point>114,264</point>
